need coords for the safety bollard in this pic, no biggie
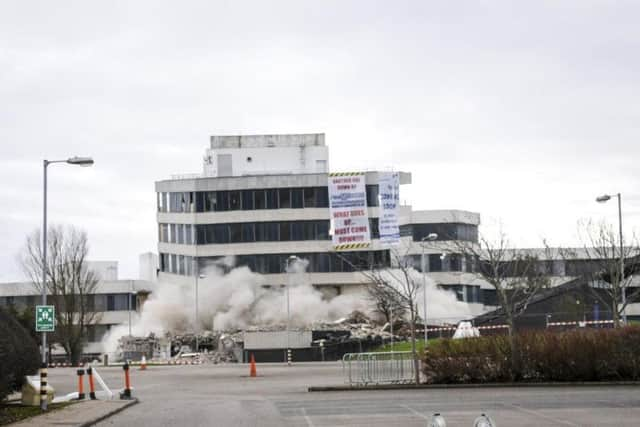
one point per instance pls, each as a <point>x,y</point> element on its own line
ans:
<point>92,388</point>
<point>80,384</point>
<point>126,393</point>
<point>43,387</point>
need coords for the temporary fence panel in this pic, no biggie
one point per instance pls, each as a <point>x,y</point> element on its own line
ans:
<point>378,368</point>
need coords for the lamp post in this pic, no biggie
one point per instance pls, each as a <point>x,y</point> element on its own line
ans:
<point>129,303</point>
<point>290,261</point>
<point>602,199</point>
<point>431,237</point>
<point>78,161</point>
<point>197,328</point>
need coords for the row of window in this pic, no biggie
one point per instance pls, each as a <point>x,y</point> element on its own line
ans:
<point>319,262</point>
<point>445,262</point>
<point>244,232</point>
<point>95,302</point>
<point>445,231</point>
<point>233,200</point>
<point>275,231</point>
<point>466,293</point>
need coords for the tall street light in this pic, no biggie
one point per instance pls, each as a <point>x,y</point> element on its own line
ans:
<point>431,237</point>
<point>602,199</point>
<point>197,328</point>
<point>78,161</point>
<point>290,262</point>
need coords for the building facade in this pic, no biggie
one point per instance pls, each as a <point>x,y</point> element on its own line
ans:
<point>264,198</point>
<point>116,302</point>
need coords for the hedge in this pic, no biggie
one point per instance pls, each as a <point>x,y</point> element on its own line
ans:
<point>18,354</point>
<point>578,355</point>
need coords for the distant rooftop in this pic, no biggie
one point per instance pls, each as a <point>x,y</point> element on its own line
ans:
<point>265,141</point>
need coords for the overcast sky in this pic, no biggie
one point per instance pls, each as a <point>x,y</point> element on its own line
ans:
<point>521,111</point>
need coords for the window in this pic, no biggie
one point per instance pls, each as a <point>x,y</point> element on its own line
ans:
<point>285,231</point>
<point>285,198</point>
<point>163,231</point>
<point>222,233</point>
<point>372,195</point>
<point>260,199</point>
<point>322,263</point>
<point>455,262</point>
<point>188,234</point>
<point>222,201</point>
<point>309,197</point>
<point>235,233</point>
<point>272,231</point>
<point>247,200</point>
<point>234,200</point>
<point>446,231</point>
<point>181,264</point>
<point>297,198</point>
<point>211,201</point>
<point>373,227</point>
<point>322,230</point>
<point>180,235</point>
<point>272,199</point>
<point>200,201</point>
<point>435,262</point>
<point>309,230</point>
<point>248,234</point>
<point>172,233</point>
<point>260,232</point>
<point>322,197</point>
<point>273,264</point>
<point>297,230</point>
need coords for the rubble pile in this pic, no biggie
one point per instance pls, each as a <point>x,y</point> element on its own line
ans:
<point>213,348</point>
<point>356,332</point>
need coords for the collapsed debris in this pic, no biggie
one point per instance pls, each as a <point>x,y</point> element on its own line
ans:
<point>328,341</point>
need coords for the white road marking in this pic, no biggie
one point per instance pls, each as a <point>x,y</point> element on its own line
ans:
<point>421,415</point>
<point>306,417</point>
<point>541,415</point>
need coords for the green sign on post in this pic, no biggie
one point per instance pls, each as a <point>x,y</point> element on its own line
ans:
<point>45,318</point>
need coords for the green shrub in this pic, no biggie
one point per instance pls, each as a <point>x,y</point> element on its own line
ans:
<point>18,354</point>
<point>578,355</point>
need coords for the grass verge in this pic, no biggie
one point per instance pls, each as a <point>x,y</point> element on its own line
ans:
<point>406,345</point>
<point>13,412</point>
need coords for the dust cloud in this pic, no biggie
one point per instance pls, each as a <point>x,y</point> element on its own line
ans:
<point>235,298</point>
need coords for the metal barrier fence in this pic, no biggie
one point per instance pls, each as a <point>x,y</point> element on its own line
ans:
<point>378,368</point>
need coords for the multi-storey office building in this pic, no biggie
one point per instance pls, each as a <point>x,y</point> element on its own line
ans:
<point>263,198</point>
<point>116,301</point>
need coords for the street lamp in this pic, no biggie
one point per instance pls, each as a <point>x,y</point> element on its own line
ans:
<point>78,161</point>
<point>197,328</point>
<point>602,199</point>
<point>290,261</point>
<point>429,238</point>
<point>130,296</point>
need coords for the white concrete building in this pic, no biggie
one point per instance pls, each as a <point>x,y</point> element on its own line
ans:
<point>116,302</point>
<point>262,198</point>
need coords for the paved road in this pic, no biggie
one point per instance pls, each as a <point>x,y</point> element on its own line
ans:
<point>224,395</point>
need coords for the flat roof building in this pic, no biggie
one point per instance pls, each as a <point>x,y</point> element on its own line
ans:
<point>263,198</point>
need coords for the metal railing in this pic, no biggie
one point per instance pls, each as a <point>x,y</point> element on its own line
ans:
<point>378,368</point>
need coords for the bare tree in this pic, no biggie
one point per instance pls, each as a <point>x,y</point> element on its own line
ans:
<point>599,260</point>
<point>386,302</point>
<point>70,284</point>
<point>516,275</point>
<point>400,284</point>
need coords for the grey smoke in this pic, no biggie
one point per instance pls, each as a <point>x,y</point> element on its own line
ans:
<point>235,298</point>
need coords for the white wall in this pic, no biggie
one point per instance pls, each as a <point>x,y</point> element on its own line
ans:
<point>270,160</point>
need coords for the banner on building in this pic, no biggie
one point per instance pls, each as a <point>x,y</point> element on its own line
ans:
<point>348,210</point>
<point>389,191</point>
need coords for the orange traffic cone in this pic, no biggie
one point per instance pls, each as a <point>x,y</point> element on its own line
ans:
<point>252,369</point>
<point>143,364</point>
